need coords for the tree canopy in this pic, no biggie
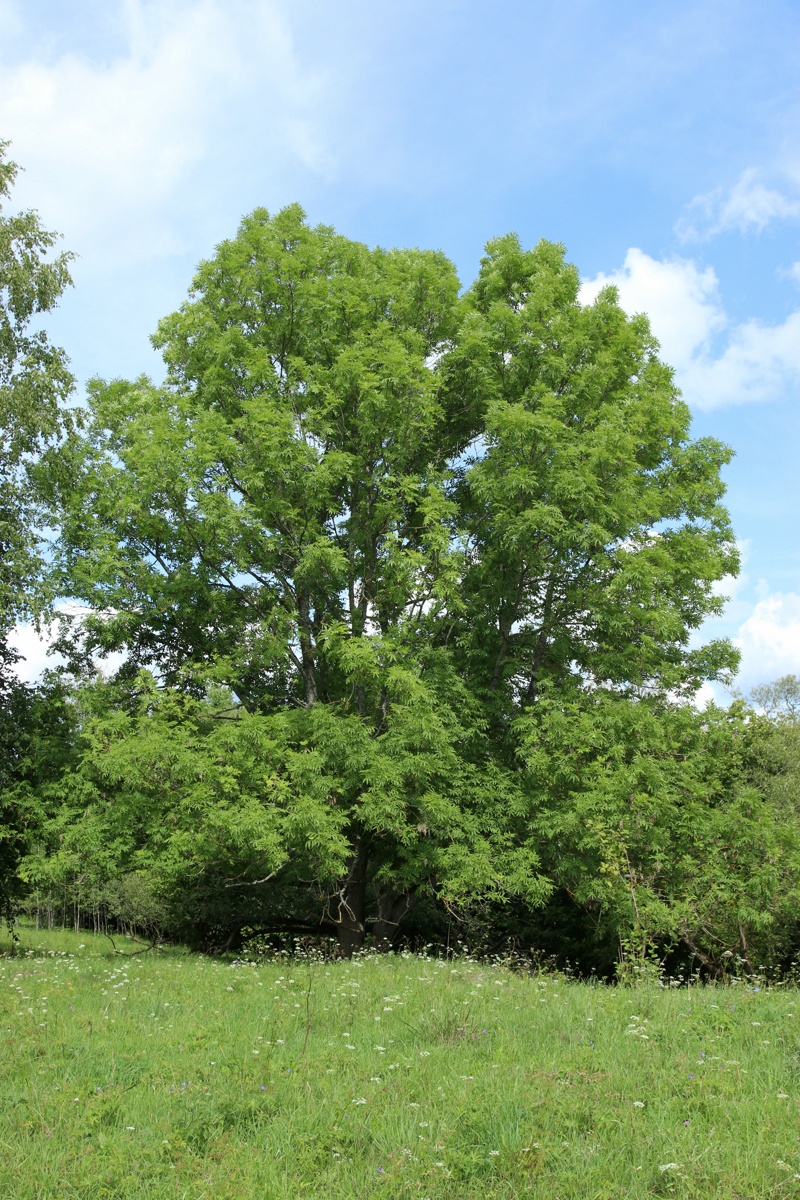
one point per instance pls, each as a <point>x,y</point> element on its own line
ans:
<point>365,540</point>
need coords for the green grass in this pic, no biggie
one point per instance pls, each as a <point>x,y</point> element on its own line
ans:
<point>169,1075</point>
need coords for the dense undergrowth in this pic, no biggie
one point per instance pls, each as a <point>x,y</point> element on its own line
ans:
<point>173,1075</point>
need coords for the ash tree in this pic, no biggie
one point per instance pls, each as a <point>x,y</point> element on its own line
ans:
<point>365,527</point>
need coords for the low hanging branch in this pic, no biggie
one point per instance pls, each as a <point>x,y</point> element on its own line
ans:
<point>154,945</point>
<point>251,882</point>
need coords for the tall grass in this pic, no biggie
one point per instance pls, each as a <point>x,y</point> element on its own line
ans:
<point>168,1075</point>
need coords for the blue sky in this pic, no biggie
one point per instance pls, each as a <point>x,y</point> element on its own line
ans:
<point>659,142</point>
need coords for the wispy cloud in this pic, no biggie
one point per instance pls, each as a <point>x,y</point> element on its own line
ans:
<point>759,363</point>
<point>113,144</point>
<point>748,207</point>
<point>717,362</point>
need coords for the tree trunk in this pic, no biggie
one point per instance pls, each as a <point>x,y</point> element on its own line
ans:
<point>392,907</point>
<point>707,962</point>
<point>306,649</point>
<point>350,919</point>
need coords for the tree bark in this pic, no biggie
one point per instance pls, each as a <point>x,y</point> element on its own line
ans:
<point>707,962</point>
<point>392,907</point>
<point>306,649</point>
<point>351,900</point>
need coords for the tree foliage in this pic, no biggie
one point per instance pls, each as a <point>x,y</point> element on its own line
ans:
<point>365,552</point>
<point>34,384</point>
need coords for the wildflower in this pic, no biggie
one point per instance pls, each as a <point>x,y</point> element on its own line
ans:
<point>669,1167</point>
<point>638,1104</point>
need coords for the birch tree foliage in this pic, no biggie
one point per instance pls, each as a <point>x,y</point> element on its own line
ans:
<point>380,516</point>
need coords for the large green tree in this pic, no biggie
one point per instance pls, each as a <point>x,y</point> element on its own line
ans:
<point>361,528</point>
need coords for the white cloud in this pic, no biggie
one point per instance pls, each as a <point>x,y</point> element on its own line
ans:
<point>769,640</point>
<point>680,298</point>
<point>706,694</point>
<point>108,145</point>
<point>35,647</point>
<point>756,362</point>
<point>760,362</point>
<point>749,205</point>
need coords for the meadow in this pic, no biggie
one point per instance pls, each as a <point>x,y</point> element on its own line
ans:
<point>179,1077</point>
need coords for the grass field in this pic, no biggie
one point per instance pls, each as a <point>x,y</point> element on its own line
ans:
<point>179,1077</point>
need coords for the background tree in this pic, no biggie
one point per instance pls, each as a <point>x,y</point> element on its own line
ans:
<point>655,823</point>
<point>379,520</point>
<point>34,385</point>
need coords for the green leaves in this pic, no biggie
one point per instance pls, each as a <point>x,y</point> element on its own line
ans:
<point>34,379</point>
<point>650,815</point>
<point>34,385</point>
<point>417,539</point>
<point>596,524</point>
